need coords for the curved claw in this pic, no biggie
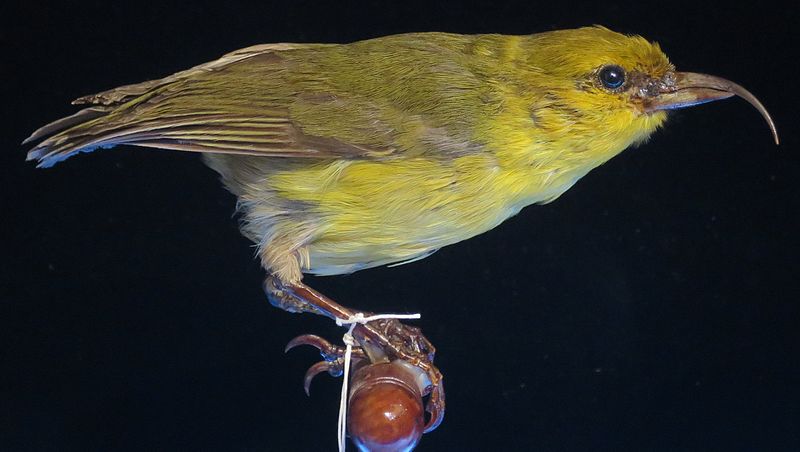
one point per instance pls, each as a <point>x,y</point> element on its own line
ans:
<point>326,349</point>
<point>435,407</point>
<point>334,368</point>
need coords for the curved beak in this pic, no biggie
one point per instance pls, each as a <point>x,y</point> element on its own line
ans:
<point>686,89</point>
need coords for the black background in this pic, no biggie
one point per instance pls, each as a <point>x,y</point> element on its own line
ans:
<point>652,307</point>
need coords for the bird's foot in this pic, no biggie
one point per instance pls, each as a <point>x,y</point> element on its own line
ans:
<point>380,340</point>
<point>332,357</point>
<point>384,340</point>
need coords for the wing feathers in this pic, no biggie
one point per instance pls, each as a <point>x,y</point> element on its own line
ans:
<point>263,100</point>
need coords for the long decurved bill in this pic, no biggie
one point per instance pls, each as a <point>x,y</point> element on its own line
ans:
<point>690,88</point>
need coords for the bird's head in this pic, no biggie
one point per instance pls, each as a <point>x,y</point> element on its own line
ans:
<point>614,90</point>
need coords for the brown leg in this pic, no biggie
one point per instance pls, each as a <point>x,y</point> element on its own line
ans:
<point>384,339</point>
<point>300,298</point>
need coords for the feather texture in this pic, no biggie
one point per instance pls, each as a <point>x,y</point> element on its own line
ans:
<point>269,100</point>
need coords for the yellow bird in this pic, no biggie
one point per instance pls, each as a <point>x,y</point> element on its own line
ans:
<point>345,157</point>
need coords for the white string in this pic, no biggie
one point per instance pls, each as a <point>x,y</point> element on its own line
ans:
<point>349,341</point>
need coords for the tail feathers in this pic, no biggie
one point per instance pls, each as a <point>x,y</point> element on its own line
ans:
<point>122,116</point>
<point>87,114</point>
<point>68,136</point>
<point>221,134</point>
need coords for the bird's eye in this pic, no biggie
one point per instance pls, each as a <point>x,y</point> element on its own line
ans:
<point>612,76</point>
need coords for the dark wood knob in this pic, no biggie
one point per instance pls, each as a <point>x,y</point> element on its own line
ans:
<point>385,412</point>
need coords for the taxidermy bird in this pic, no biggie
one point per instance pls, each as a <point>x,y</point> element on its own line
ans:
<point>346,157</point>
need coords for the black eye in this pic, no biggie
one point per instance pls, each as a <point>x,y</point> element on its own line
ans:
<point>612,77</point>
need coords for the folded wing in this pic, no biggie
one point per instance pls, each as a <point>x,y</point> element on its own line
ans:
<point>247,102</point>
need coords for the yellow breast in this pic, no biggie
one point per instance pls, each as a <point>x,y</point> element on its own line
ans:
<point>372,213</point>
